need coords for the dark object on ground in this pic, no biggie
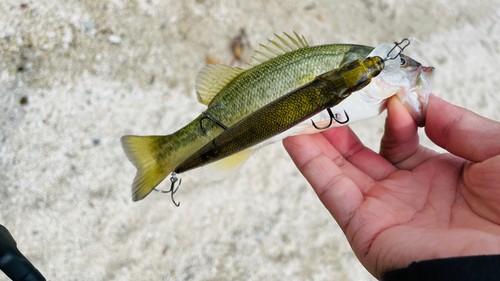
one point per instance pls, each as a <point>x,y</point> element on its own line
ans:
<point>16,266</point>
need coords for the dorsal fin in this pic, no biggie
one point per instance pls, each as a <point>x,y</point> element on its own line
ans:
<point>212,78</point>
<point>277,47</point>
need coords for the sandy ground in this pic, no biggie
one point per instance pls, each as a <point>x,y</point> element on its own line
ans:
<point>76,75</point>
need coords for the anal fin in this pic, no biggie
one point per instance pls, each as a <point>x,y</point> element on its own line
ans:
<point>222,168</point>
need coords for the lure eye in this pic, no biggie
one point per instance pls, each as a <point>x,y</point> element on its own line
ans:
<point>403,61</point>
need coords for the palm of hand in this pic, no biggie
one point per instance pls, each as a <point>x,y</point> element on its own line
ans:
<point>410,203</point>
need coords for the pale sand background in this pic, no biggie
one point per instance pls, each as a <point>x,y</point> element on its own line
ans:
<point>65,182</point>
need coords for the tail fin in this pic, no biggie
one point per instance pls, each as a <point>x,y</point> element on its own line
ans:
<point>141,152</point>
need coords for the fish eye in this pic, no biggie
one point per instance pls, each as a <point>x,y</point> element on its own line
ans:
<point>403,61</point>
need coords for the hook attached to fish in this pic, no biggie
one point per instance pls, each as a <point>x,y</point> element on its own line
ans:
<point>172,191</point>
<point>401,45</point>
<point>208,116</point>
<point>332,117</point>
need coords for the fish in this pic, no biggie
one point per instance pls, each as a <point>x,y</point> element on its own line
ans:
<point>230,94</point>
<point>324,92</point>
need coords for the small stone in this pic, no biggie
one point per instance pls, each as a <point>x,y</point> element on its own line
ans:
<point>23,100</point>
<point>114,39</point>
<point>88,25</point>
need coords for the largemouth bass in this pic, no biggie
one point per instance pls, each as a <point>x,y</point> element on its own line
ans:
<point>325,91</point>
<point>231,94</point>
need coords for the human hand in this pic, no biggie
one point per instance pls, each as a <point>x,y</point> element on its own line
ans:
<point>410,203</point>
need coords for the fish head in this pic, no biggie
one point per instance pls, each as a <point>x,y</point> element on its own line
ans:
<point>405,77</point>
<point>402,76</point>
<point>416,90</point>
<point>422,76</point>
<point>410,81</point>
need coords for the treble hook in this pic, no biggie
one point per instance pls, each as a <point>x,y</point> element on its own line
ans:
<point>343,122</point>
<point>332,117</point>
<point>172,191</point>
<point>208,116</point>
<point>401,48</point>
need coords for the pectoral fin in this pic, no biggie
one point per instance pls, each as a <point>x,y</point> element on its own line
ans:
<point>212,79</point>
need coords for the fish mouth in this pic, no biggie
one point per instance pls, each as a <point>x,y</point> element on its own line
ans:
<point>415,96</point>
<point>425,79</point>
<point>423,88</point>
<point>428,73</point>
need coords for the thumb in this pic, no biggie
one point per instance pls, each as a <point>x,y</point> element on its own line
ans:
<point>461,131</point>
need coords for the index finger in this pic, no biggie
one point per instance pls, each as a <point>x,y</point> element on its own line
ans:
<point>337,191</point>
